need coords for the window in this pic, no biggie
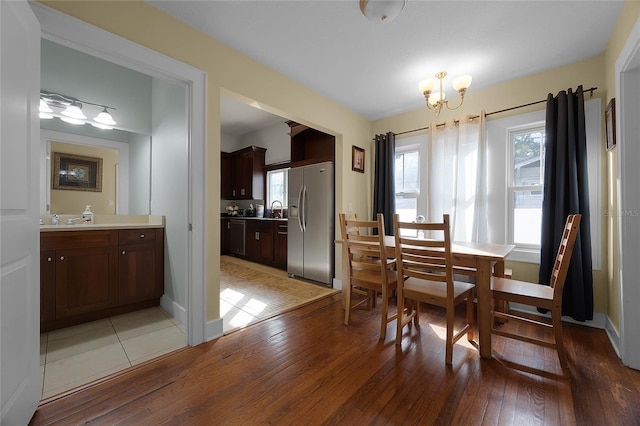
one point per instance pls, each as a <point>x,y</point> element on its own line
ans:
<point>407,181</point>
<point>277,184</point>
<point>526,170</point>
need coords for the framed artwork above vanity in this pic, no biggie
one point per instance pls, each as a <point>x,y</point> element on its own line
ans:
<point>75,172</point>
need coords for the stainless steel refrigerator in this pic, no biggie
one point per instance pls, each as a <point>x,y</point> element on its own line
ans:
<point>310,240</point>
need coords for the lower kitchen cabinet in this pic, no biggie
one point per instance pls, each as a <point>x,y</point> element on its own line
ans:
<point>260,238</point>
<point>280,245</point>
<point>88,275</point>
<point>225,235</point>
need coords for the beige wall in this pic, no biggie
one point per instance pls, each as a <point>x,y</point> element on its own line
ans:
<point>626,21</point>
<point>73,202</point>
<point>240,77</point>
<point>589,73</point>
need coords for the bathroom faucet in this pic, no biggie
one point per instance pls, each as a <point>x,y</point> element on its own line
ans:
<point>272,212</point>
<point>55,219</point>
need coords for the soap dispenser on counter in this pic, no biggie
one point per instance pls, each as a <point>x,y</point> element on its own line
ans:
<point>87,215</point>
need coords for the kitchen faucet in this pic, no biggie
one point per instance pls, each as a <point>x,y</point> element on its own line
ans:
<point>274,213</point>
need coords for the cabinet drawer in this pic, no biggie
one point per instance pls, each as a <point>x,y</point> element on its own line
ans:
<point>139,236</point>
<point>77,239</point>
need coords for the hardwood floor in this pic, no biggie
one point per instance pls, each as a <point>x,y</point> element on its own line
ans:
<point>305,366</point>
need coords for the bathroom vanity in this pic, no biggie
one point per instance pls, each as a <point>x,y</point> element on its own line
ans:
<point>88,272</point>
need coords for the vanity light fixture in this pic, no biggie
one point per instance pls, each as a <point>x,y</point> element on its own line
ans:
<point>436,100</point>
<point>70,110</point>
<point>382,10</point>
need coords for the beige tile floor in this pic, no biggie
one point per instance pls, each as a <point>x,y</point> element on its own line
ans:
<point>77,355</point>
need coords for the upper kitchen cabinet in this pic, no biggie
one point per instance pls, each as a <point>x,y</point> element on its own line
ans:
<point>242,176</point>
<point>310,146</point>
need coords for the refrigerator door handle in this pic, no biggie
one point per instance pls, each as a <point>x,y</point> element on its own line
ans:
<point>304,208</point>
<point>300,208</point>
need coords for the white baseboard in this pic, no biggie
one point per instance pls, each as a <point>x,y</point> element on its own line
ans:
<point>173,309</point>
<point>614,336</point>
<point>337,284</point>
<point>214,329</point>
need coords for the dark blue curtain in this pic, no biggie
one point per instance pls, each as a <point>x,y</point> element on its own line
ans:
<point>566,191</point>
<point>384,188</point>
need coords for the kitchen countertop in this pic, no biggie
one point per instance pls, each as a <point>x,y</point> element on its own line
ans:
<point>255,218</point>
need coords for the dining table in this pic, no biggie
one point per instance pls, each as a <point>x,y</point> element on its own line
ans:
<point>485,259</point>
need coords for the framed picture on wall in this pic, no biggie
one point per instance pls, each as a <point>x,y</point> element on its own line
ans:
<point>357,159</point>
<point>77,173</point>
<point>610,124</point>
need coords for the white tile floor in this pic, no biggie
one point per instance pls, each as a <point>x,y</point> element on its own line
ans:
<point>77,355</point>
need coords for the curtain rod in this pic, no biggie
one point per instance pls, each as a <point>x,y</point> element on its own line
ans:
<point>590,90</point>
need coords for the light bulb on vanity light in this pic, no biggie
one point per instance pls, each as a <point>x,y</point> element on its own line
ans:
<point>74,111</point>
<point>105,118</point>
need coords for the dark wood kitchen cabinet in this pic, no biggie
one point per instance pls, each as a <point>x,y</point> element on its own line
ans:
<point>242,176</point>
<point>310,146</point>
<point>260,239</point>
<point>89,278</point>
<point>225,235</point>
<point>280,244</point>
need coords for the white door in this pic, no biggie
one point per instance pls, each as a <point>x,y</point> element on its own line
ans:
<point>19,231</point>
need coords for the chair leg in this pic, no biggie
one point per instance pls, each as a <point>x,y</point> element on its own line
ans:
<point>449,349</point>
<point>557,331</point>
<point>347,305</point>
<point>470,317</point>
<point>400,320</point>
<point>384,315</point>
<point>416,318</point>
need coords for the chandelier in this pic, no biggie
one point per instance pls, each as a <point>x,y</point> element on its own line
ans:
<point>436,101</point>
<point>70,111</point>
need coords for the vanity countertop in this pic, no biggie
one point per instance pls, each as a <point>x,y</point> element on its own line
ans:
<point>103,222</point>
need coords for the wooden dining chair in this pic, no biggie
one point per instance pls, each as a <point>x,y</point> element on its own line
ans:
<point>539,296</point>
<point>425,274</point>
<point>369,268</point>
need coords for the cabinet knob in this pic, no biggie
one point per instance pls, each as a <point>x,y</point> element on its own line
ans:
<point>141,235</point>
<point>49,259</point>
<point>124,252</point>
<point>61,257</point>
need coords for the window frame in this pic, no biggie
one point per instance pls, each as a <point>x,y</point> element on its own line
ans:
<point>271,169</point>
<point>404,149</point>
<point>512,189</point>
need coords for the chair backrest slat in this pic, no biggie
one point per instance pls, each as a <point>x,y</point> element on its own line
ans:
<point>428,259</point>
<point>366,251</point>
<point>563,258</point>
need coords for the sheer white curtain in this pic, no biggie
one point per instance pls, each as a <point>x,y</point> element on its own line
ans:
<point>457,177</point>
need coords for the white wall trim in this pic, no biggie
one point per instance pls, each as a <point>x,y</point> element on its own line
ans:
<point>87,38</point>
<point>627,72</point>
<point>614,336</point>
<point>214,329</point>
<point>172,308</point>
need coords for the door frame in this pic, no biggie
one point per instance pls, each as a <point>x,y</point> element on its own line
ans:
<point>627,72</point>
<point>81,36</point>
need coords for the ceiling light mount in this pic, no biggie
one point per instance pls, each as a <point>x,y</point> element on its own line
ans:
<point>436,101</point>
<point>382,10</point>
<point>70,110</point>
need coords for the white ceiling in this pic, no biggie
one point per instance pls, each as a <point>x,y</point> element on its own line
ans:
<point>374,68</point>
